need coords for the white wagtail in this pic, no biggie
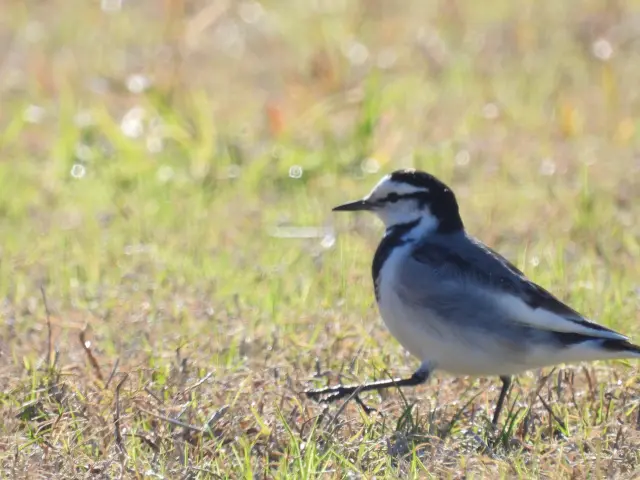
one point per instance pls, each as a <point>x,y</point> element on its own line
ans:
<point>456,304</point>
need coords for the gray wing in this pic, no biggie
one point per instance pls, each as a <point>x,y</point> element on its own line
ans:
<point>466,262</point>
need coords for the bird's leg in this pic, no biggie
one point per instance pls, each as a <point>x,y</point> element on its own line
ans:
<point>331,394</point>
<point>367,409</point>
<point>506,383</point>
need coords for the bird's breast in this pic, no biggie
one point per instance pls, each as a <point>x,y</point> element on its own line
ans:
<point>408,326</point>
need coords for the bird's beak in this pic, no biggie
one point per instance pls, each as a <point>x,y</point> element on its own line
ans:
<point>354,206</point>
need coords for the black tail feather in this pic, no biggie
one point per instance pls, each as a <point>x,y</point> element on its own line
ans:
<point>569,339</point>
<point>620,346</point>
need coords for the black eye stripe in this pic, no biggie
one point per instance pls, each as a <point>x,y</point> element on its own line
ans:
<point>394,197</point>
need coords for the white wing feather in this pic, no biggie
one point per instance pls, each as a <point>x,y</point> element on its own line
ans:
<point>543,319</point>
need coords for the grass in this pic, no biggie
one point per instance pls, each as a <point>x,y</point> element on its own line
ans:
<point>172,277</point>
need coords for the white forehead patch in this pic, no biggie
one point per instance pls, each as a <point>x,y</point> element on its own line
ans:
<point>387,186</point>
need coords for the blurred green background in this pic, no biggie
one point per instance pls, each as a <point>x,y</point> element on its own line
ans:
<point>167,172</point>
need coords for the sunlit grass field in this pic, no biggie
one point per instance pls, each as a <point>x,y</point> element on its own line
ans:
<point>172,276</point>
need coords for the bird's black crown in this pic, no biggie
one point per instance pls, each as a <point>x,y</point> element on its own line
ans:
<point>418,178</point>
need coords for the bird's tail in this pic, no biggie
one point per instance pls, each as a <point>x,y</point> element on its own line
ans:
<point>623,348</point>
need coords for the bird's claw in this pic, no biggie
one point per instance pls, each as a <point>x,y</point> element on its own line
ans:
<point>331,394</point>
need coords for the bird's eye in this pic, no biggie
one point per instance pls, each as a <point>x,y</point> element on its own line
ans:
<point>393,197</point>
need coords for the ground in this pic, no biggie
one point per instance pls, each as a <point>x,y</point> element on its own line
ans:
<point>172,277</point>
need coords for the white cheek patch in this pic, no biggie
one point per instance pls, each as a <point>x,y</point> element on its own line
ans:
<point>405,212</point>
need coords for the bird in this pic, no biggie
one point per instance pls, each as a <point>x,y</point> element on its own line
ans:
<point>458,305</point>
